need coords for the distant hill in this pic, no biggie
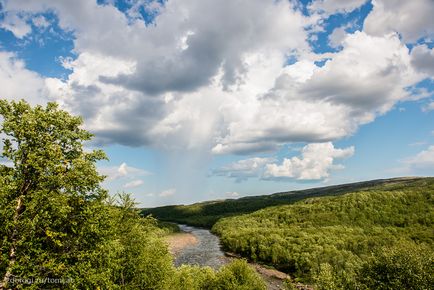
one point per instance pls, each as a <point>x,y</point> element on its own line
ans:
<point>206,214</point>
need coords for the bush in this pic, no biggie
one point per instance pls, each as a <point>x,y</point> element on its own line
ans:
<point>238,275</point>
<point>192,278</point>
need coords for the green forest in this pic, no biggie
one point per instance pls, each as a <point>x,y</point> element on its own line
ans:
<point>381,238</point>
<point>61,230</point>
<point>206,214</point>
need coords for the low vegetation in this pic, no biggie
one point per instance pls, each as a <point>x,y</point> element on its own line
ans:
<point>168,227</point>
<point>237,275</point>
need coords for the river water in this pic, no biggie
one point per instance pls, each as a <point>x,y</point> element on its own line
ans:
<point>206,252</point>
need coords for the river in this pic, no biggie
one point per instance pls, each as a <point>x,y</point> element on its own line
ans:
<point>206,252</point>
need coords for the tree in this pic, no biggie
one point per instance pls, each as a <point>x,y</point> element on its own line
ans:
<point>50,194</point>
<point>406,265</point>
<point>143,260</point>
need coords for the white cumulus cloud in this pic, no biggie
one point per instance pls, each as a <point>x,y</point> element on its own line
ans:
<point>17,82</point>
<point>412,19</point>
<point>191,80</point>
<point>364,80</point>
<point>316,162</point>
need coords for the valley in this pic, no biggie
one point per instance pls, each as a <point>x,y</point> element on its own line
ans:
<point>330,235</point>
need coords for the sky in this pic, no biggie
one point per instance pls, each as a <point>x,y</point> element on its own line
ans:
<point>196,100</point>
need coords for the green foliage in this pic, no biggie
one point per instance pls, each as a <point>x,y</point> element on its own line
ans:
<point>237,275</point>
<point>402,266</point>
<point>51,199</point>
<point>168,227</point>
<point>142,260</point>
<point>206,214</point>
<point>193,278</point>
<point>325,279</point>
<point>327,240</point>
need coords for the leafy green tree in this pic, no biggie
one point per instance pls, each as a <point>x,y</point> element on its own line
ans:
<point>403,266</point>
<point>143,260</point>
<point>50,192</point>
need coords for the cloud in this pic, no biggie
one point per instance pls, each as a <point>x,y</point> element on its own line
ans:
<point>189,57</point>
<point>420,143</point>
<point>16,24</point>
<point>167,192</point>
<point>133,183</point>
<point>232,194</point>
<point>428,107</point>
<point>319,104</point>
<point>41,22</point>
<point>330,7</point>
<point>191,80</point>
<point>368,76</point>
<point>184,50</point>
<point>422,160</point>
<point>17,82</point>
<point>122,171</point>
<point>243,169</point>
<point>422,58</point>
<point>137,94</point>
<point>337,36</point>
<point>412,19</point>
<point>315,163</point>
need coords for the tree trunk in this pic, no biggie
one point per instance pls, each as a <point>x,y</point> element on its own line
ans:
<point>14,237</point>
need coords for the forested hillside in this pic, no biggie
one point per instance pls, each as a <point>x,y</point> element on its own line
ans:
<point>206,214</point>
<point>377,238</point>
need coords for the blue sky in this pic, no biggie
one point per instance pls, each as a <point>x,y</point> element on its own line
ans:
<point>198,99</point>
